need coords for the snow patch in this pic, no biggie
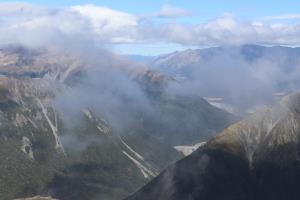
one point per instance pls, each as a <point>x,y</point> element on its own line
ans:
<point>187,150</point>
<point>146,172</point>
<point>130,149</point>
<point>54,127</point>
<point>102,125</point>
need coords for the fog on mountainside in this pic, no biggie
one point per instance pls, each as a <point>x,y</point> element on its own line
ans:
<point>84,116</point>
<point>237,78</point>
<point>62,129</point>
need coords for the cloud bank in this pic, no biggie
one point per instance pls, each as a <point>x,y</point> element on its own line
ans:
<point>36,25</point>
<point>169,11</point>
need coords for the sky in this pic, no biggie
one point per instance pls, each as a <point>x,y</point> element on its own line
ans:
<point>209,9</point>
<point>154,27</point>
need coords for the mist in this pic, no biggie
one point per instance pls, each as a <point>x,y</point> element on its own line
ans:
<point>108,84</point>
<point>105,90</point>
<point>243,76</point>
<point>90,32</point>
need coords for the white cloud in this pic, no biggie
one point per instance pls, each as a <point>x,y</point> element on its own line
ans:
<point>226,30</point>
<point>169,11</point>
<point>119,26</point>
<point>35,25</point>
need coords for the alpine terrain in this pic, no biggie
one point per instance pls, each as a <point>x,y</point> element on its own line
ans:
<point>47,150</point>
<point>239,79</point>
<point>256,158</point>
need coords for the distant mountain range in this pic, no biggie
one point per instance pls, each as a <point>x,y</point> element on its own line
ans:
<point>243,77</point>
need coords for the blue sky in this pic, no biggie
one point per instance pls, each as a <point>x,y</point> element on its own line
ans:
<point>204,8</point>
<point>191,23</point>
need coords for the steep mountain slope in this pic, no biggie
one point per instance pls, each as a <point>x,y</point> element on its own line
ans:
<point>47,151</point>
<point>257,158</point>
<point>40,156</point>
<point>180,119</point>
<point>187,120</point>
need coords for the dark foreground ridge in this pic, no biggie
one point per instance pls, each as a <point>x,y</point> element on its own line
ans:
<point>257,158</point>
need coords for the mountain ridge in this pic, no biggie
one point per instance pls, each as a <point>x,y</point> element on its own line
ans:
<point>256,158</point>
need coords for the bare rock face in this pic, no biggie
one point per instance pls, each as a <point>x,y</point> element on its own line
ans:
<point>254,159</point>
